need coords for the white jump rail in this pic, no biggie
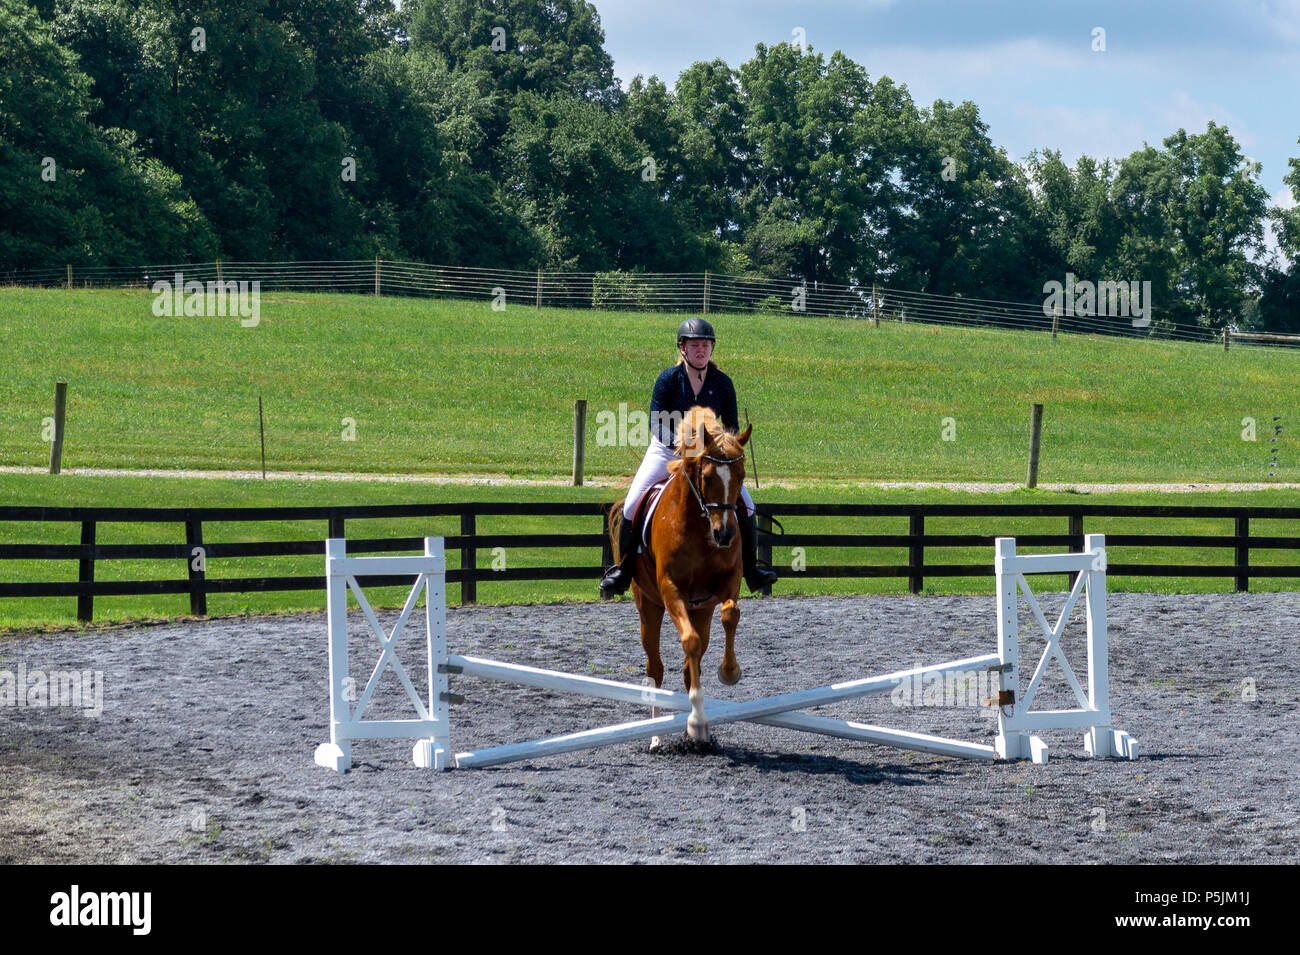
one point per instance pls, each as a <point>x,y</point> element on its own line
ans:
<point>431,728</point>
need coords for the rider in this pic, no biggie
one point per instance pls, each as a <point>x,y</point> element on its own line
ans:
<point>694,380</point>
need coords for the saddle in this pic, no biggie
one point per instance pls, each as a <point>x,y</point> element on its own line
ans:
<point>645,509</point>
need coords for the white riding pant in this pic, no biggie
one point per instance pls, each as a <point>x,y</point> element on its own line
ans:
<point>654,467</point>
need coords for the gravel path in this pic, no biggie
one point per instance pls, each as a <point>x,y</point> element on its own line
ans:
<point>621,481</point>
<point>203,751</point>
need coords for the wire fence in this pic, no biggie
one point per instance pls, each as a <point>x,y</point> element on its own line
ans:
<point>695,292</point>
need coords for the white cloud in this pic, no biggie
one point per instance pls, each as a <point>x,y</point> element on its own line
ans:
<point>1187,113</point>
<point>1098,132</point>
<point>1282,17</point>
<point>924,68</point>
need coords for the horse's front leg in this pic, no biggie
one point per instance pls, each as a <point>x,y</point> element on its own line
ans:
<point>694,643</point>
<point>697,725</point>
<point>652,619</point>
<point>729,668</point>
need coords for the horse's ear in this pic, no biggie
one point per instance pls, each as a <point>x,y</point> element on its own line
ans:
<point>743,437</point>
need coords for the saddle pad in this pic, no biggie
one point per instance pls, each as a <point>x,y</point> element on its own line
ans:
<point>645,509</point>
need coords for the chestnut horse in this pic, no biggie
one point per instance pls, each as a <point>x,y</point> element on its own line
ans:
<point>694,559</point>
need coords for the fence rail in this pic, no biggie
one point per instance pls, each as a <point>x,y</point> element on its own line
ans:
<point>196,525</point>
<point>699,292</point>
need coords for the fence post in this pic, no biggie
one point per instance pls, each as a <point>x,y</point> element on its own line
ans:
<point>706,291</point>
<point>1225,337</point>
<point>1035,439</point>
<point>468,560</point>
<point>1242,551</point>
<point>60,412</point>
<point>69,275</point>
<point>916,553</point>
<point>539,288</point>
<point>1056,319</point>
<point>579,439</point>
<point>86,573</point>
<point>1074,528</point>
<point>875,307</point>
<point>261,429</point>
<point>377,275</point>
<point>198,596</point>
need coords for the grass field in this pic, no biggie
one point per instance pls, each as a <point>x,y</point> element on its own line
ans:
<point>455,388</point>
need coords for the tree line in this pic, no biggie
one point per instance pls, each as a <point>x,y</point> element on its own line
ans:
<point>494,134</point>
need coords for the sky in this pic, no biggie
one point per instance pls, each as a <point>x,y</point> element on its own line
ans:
<point>1029,66</point>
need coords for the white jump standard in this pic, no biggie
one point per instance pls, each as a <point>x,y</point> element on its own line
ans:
<point>431,726</point>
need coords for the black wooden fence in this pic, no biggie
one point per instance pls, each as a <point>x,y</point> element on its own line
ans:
<point>194,556</point>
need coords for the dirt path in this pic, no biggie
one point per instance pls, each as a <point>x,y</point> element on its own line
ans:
<point>794,483</point>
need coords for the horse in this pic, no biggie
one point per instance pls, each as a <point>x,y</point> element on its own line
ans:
<point>694,559</point>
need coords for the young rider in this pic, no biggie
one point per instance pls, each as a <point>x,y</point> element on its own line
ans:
<point>694,380</point>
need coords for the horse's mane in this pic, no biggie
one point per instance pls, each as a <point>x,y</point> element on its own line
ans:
<point>701,420</point>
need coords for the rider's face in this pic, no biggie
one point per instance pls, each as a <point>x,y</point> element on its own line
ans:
<point>698,351</point>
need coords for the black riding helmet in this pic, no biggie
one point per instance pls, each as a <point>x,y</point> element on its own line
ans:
<point>695,328</point>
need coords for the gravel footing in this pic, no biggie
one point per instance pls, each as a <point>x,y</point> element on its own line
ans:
<point>203,750</point>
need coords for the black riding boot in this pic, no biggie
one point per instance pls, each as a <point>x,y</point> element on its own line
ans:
<point>619,577</point>
<point>756,577</point>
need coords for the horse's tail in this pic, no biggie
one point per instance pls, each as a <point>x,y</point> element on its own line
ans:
<point>615,525</point>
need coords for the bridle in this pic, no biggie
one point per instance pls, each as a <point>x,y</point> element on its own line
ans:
<point>705,506</point>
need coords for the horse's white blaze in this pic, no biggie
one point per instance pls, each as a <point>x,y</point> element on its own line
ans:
<point>724,472</point>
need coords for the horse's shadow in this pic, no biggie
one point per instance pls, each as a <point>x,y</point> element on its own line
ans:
<point>867,772</point>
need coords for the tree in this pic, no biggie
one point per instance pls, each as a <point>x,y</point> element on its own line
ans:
<point>1279,303</point>
<point>552,48</point>
<point>957,223</point>
<point>816,181</point>
<point>416,126</point>
<point>709,120</point>
<point>70,191</point>
<point>574,174</point>
<point>547,47</point>
<point>1216,220</point>
<point>236,116</point>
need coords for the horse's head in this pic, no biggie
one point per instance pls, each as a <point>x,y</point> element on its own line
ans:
<point>713,464</point>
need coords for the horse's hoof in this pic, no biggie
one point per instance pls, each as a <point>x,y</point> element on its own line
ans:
<point>729,680</point>
<point>655,744</point>
<point>699,732</point>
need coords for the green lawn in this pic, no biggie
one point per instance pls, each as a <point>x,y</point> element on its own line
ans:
<point>453,387</point>
<point>439,386</point>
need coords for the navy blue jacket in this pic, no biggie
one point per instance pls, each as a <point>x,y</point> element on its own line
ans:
<point>673,393</point>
